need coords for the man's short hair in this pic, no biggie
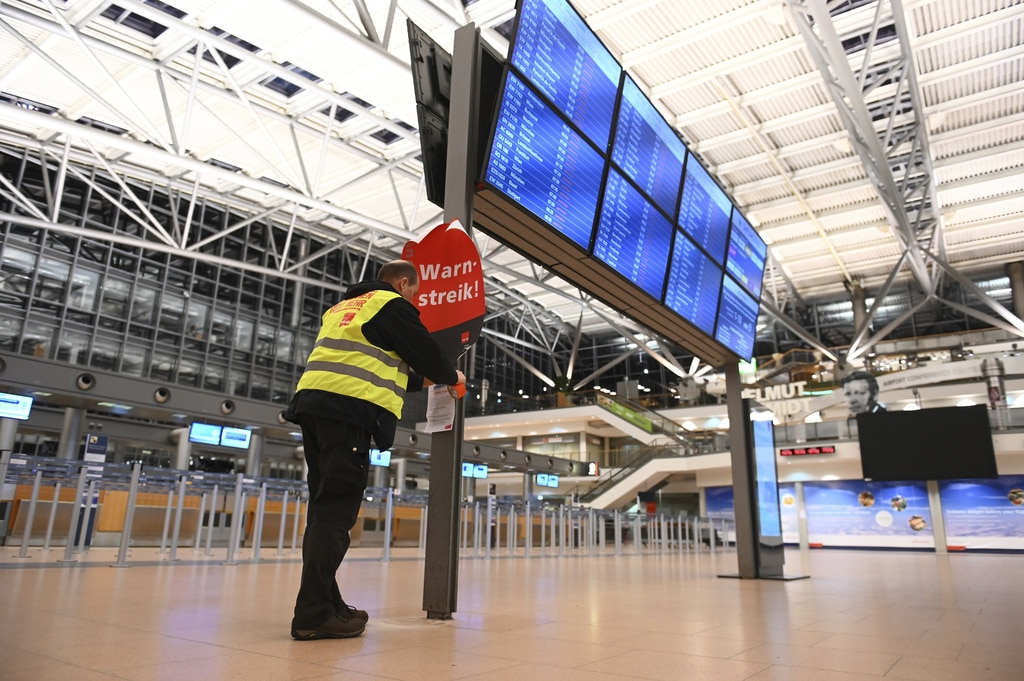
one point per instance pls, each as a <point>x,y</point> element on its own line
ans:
<point>861,376</point>
<point>397,269</point>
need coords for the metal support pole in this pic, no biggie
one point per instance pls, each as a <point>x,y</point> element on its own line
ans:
<point>389,519</point>
<point>53,516</point>
<point>512,532</point>
<point>463,526</point>
<point>257,530</point>
<point>477,529</point>
<point>129,517</point>
<point>423,528</point>
<point>212,522</point>
<point>167,520</point>
<point>490,524</point>
<point>197,540</point>
<point>280,524</point>
<point>543,537</point>
<point>236,521</point>
<point>178,511</point>
<point>31,514</point>
<point>561,531</point>
<point>528,521</point>
<point>637,543</point>
<point>89,511</point>
<point>75,515</point>
<point>617,532</point>
<point>295,522</point>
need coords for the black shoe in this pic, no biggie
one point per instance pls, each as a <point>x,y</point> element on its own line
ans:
<point>347,611</point>
<point>334,627</point>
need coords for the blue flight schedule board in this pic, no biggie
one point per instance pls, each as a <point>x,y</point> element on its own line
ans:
<point>747,255</point>
<point>633,237</point>
<point>584,153</point>
<point>694,283</point>
<point>557,52</point>
<point>647,149</point>
<point>704,211</point>
<point>538,160</point>
<point>737,319</point>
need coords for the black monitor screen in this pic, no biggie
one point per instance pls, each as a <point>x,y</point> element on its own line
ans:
<point>633,237</point>
<point>556,51</point>
<point>539,161</point>
<point>747,255</point>
<point>944,443</point>
<point>704,211</point>
<point>694,283</point>
<point>737,319</point>
<point>647,149</point>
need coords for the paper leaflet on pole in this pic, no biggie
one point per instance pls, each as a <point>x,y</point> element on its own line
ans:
<point>451,295</point>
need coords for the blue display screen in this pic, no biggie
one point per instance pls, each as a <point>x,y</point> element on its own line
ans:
<point>647,149</point>
<point>235,437</point>
<point>467,470</point>
<point>557,52</point>
<point>737,319</point>
<point>380,457</point>
<point>747,255</point>
<point>480,471</point>
<point>204,434</point>
<point>633,237</point>
<point>766,478</point>
<point>544,165</point>
<point>694,283</point>
<point>704,211</point>
<point>15,406</point>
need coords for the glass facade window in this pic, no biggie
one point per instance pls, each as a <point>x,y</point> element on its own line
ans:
<point>82,292</point>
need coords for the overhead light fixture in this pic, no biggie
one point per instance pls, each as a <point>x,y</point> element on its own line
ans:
<point>842,145</point>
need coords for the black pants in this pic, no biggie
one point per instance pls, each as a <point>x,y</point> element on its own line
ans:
<point>338,458</point>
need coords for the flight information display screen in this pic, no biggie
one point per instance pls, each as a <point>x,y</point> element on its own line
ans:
<point>737,319</point>
<point>747,255</point>
<point>557,52</point>
<point>579,146</point>
<point>704,211</point>
<point>633,237</point>
<point>539,161</point>
<point>647,149</point>
<point>694,283</point>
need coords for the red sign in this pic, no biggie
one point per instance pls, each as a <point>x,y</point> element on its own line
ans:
<point>451,295</point>
<point>806,451</point>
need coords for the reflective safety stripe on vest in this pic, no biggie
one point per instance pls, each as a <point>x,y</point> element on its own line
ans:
<point>344,362</point>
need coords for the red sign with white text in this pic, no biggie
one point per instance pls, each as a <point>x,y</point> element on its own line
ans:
<point>808,451</point>
<point>451,295</point>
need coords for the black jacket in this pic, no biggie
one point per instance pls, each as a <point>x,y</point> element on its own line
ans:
<point>396,327</point>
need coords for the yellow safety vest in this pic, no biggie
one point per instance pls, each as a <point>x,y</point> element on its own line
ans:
<point>344,362</point>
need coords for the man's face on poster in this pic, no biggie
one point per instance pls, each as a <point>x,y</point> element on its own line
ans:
<point>858,396</point>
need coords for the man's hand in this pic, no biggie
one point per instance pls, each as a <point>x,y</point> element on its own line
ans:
<point>462,377</point>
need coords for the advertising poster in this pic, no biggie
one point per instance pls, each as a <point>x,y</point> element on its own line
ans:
<point>790,514</point>
<point>984,514</point>
<point>718,502</point>
<point>869,514</point>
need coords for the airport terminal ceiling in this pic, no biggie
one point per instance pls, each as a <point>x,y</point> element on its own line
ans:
<point>877,147</point>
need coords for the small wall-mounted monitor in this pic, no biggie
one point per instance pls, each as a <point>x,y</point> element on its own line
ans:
<point>237,438</point>
<point>480,471</point>
<point>380,457</point>
<point>547,480</point>
<point>467,470</point>
<point>15,406</point>
<point>204,434</point>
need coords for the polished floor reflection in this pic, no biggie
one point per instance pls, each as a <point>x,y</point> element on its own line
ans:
<point>862,615</point>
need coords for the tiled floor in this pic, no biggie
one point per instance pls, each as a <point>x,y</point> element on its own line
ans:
<point>861,615</point>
